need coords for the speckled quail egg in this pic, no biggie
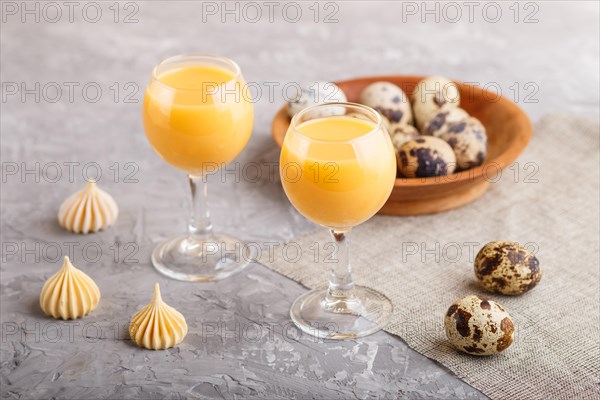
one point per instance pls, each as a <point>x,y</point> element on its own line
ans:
<point>402,133</point>
<point>384,122</point>
<point>389,100</point>
<point>432,95</point>
<point>468,140</point>
<point>443,120</point>
<point>507,268</point>
<point>318,93</point>
<point>425,156</point>
<point>478,326</point>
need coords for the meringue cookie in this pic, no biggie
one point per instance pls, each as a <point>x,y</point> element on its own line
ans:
<point>157,326</point>
<point>88,210</point>
<point>69,294</point>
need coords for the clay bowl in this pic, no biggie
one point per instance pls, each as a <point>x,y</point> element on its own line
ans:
<point>508,129</point>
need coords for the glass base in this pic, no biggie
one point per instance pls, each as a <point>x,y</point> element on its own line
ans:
<point>187,258</point>
<point>366,312</point>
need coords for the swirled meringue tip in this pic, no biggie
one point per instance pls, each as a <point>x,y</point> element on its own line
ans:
<point>156,297</point>
<point>69,294</point>
<point>89,210</point>
<point>157,326</point>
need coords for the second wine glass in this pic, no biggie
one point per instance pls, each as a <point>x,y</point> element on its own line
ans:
<point>338,168</point>
<point>198,118</point>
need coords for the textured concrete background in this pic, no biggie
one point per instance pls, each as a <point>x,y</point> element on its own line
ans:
<point>241,343</point>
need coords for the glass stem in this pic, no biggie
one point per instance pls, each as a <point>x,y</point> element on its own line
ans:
<point>340,280</point>
<point>199,226</point>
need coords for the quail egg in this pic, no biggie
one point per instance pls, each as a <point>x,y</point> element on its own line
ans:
<point>443,120</point>
<point>389,100</point>
<point>432,95</point>
<point>478,326</point>
<point>402,133</point>
<point>318,93</point>
<point>468,140</point>
<point>425,156</point>
<point>384,122</point>
<point>507,268</point>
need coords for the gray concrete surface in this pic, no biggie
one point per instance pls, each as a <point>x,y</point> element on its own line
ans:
<point>241,343</point>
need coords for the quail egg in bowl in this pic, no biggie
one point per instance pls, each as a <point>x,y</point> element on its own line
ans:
<point>425,156</point>
<point>317,93</point>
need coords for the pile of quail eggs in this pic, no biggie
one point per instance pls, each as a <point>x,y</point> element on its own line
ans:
<point>432,137</point>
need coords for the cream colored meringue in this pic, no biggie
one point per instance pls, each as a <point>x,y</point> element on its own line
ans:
<point>88,210</point>
<point>69,294</point>
<point>158,326</point>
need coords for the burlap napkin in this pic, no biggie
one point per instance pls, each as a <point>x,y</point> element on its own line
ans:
<point>549,200</point>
